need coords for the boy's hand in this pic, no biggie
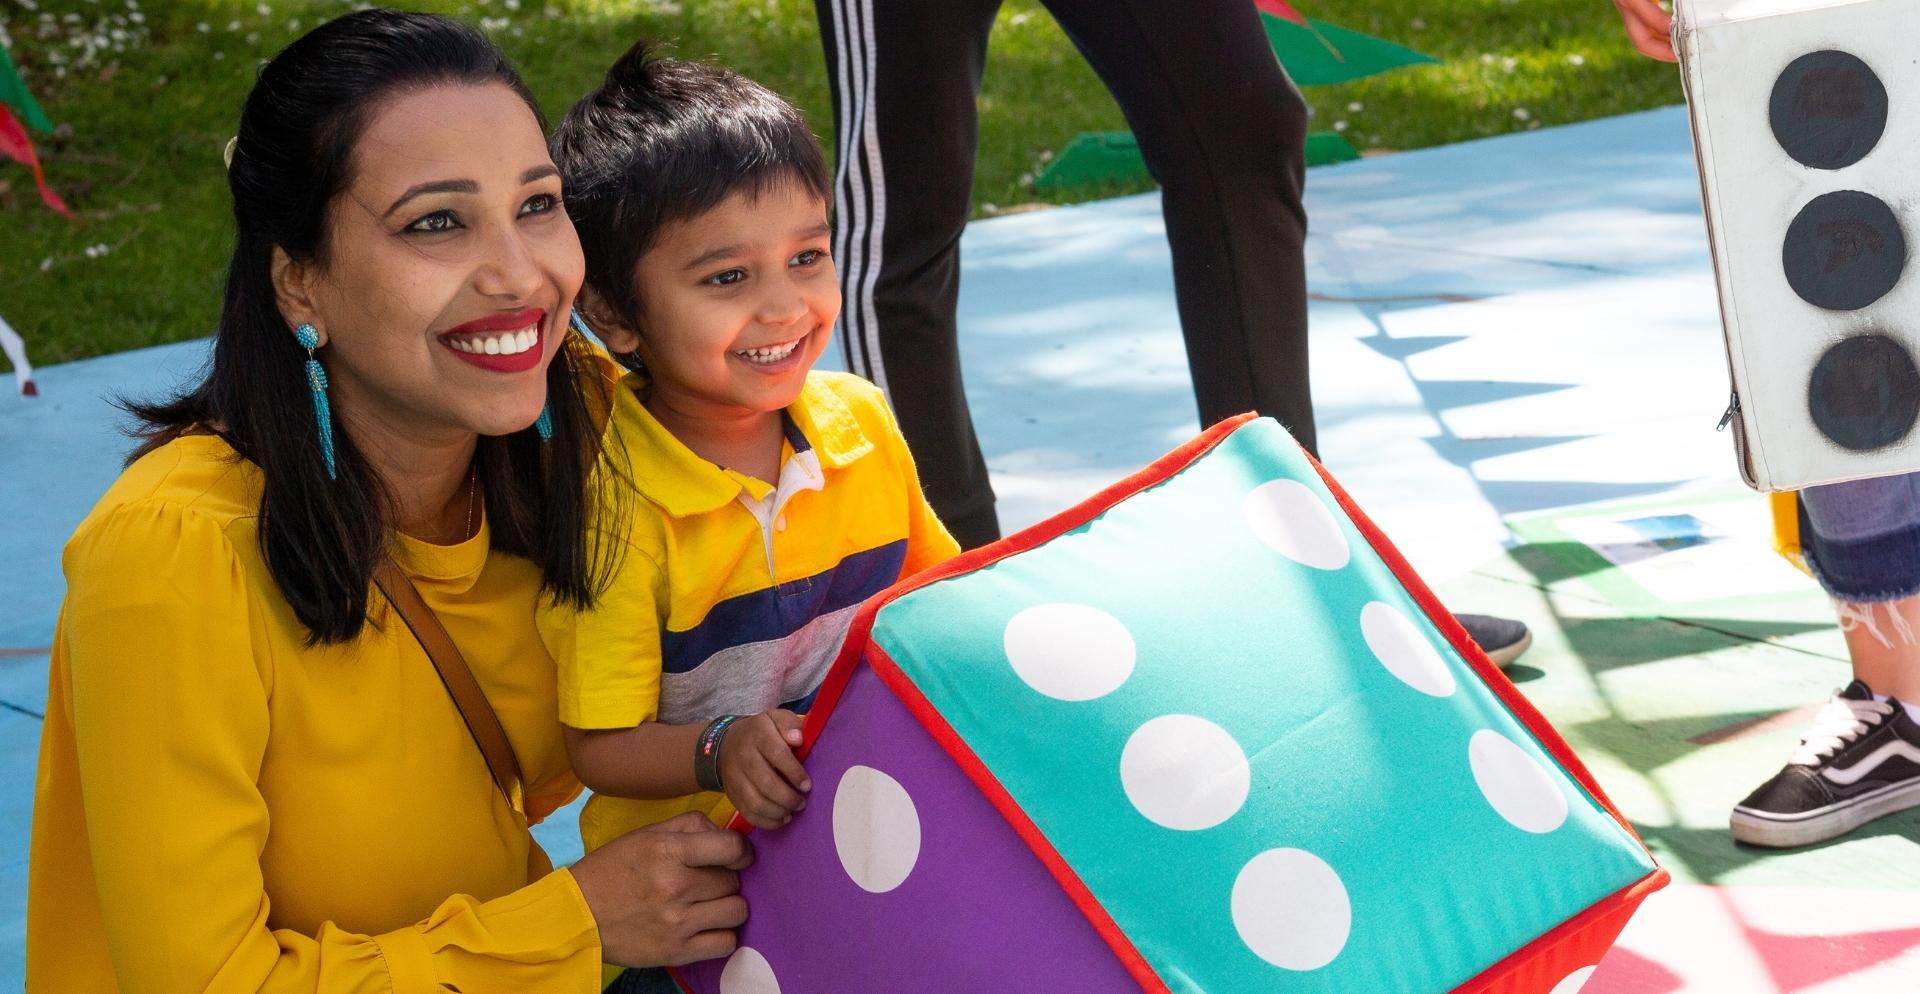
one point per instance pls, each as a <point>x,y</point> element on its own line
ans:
<point>757,766</point>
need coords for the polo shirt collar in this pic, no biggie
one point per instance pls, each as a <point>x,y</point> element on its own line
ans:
<point>682,483</point>
<point>826,421</point>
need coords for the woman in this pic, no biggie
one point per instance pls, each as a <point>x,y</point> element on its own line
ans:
<point>252,776</point>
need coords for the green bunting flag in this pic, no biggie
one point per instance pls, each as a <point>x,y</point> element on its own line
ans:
<point>1095,157</point>
<point>1314,53</point>
<point>13,93</point>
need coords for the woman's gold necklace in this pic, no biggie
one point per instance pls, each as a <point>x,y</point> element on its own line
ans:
<point>473,490</point>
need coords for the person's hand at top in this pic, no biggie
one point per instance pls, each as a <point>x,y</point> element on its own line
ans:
<point>1649,27</point>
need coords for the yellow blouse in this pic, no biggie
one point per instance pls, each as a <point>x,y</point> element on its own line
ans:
<point>220,807</point>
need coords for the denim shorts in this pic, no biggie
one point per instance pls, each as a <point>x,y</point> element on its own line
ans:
<point>1861,539</point>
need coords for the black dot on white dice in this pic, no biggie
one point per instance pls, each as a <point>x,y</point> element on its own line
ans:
<point>1828,109</point>
<point>1844,251</point>
<point>1864,393</point>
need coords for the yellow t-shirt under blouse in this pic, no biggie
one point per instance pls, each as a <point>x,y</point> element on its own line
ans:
<point>222,808</point>
<point>734,595</point>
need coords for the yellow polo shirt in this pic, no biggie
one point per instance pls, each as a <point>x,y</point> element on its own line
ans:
<point>221,807</point>
<point>733,595</point>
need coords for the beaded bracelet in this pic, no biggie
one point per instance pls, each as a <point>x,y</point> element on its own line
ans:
<point>706,752</point>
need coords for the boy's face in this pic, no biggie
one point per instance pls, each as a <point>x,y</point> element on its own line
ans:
<point>736,304</point>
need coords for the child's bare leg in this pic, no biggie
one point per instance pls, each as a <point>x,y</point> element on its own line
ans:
<point>1884,647</point>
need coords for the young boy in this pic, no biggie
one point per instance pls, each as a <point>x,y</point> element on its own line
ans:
<point>771,500</point>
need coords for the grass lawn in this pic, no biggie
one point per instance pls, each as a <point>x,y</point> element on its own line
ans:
<point>147,92</point>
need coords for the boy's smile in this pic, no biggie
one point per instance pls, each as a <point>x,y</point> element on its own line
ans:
<point>736,305</point>
<point>768,356</point>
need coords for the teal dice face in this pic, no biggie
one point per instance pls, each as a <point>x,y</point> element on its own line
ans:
<point>1247,740</point>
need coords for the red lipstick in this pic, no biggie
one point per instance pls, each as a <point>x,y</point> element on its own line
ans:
<point>469,341</point>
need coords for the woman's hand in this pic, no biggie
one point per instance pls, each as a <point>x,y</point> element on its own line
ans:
<point>763,779</point>
<point>666,894</point>
<point>1649,27</point>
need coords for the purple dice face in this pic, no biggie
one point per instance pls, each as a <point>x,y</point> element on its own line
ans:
<point>900,863</point>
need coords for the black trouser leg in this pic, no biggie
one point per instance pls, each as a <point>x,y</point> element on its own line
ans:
<point>904,75</point>
<point>1224,131</point>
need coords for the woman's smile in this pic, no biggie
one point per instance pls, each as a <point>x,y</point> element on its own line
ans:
<point>502,343</point>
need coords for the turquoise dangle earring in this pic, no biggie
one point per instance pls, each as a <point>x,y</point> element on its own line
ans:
<point>309,339</point>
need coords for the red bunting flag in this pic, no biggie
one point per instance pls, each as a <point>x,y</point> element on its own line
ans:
<point>1279,8</point>
<point>15,145</point>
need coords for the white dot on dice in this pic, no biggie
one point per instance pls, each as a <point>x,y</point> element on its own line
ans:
<point>1184,773</point>
<point>1292,909</point>
<point>876,829</point>
<point>1515,783</point>
<point>1397,642</point>
<point>1070,652</point>
<point>748,972</point>
<point>1572,983</point>
<point>1295,522</point>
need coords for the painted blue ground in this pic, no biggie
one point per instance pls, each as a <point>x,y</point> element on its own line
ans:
<point>1511,325</point>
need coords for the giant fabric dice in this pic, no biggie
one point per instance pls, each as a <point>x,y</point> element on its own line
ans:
<point>1204,733</point>
<point>1808,144</point>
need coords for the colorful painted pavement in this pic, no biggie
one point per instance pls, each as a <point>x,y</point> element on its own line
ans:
<point>1518,369</point>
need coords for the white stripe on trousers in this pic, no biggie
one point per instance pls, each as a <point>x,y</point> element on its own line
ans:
<point>859,170</point>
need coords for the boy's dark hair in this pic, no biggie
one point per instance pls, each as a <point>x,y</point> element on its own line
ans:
<point>664,140</point>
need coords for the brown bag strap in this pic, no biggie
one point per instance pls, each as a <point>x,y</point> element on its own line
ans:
<point>467,696</point>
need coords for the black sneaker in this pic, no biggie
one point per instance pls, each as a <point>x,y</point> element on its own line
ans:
<point>1860,761</point>
<point>1502,639</point>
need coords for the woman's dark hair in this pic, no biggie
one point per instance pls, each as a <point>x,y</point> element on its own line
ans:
<point>293,158</point>
<point>665,140</point>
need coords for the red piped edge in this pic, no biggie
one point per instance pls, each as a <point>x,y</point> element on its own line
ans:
<point>1158,472</point>
<point>1580,941</point>
<point>1514,974</point>
<point>1602,920</point>
<point>1016,817</point>
<point>1469,650</point>
<point>859,632</point>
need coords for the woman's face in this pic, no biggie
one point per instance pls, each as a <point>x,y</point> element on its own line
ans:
<point>450,269</point>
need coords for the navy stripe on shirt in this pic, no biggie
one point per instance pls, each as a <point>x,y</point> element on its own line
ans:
<point>777,612</point>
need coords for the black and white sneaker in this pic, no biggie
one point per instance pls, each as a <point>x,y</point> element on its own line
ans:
<point>1860,761</point>
<point>1502,639</point>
